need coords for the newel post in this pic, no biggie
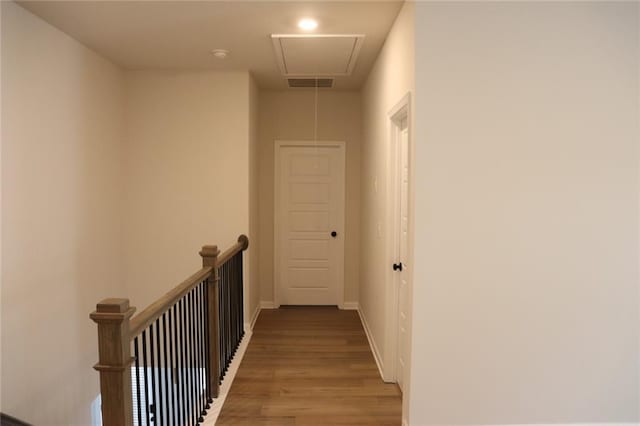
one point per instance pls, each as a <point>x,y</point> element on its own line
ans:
<point>210,258</point>
<point>244,240</point>
<point>114,360</point>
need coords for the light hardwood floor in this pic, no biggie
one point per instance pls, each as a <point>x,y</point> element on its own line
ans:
<point>310,366</point>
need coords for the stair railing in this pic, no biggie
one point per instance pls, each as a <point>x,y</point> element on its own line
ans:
<point>164,365</point>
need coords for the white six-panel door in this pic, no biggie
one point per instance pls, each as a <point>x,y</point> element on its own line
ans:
<point>309,206</point>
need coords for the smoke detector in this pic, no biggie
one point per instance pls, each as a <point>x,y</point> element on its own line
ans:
<point>220,53</point>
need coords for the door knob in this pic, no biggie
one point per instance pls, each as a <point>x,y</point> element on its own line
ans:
<point>334,234</point>
<point>397,266</point>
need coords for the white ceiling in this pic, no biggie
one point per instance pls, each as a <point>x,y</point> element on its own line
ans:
<point>180,34</point>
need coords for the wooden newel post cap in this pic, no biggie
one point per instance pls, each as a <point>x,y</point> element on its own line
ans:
<point>112,309</point>
<point>244,240</point>
<point>113,305</point>
<point>209,255</point>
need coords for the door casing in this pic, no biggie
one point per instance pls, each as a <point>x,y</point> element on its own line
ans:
<point>401,111</point>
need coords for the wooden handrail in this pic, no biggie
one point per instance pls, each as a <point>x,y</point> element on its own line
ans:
<point>7,420</point>
<point>117,327</point>
<point>157,308</point>
<point>241,245</point>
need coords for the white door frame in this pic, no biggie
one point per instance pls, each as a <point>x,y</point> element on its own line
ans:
<point>279,144</point>
<point>401,111</point>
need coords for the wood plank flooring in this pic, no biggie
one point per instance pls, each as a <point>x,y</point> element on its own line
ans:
<point>310,366</point>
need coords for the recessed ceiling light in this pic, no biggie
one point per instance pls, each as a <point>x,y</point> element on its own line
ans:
<point>307,24</point>
<point>220,53</point>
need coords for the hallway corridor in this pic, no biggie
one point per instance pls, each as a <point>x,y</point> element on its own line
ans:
<point>310,366</point>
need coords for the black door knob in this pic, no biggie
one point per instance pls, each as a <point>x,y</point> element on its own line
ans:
<point>334,234</point>
<point>397,266</point>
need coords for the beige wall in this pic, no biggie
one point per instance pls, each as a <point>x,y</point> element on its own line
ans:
<point>75,130</point>
<point>289,115</point>
<point>62,133</point>
<point>526,279</point>
<point>254,210</point>
<point>186,166</point>
<point>391,78</point>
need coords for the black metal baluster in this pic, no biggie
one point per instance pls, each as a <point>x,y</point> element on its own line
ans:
<point>187,363</point>
<point>160,405</point>
<point>227,304</point>
<point>240,299</point>
<point>187,339</point>
<point>183,369</point>
<point>154,405</point>
<point>207,344</point>
<point>167,411</point>
<point>139,401</point>
<point>203,402</point>
<point>196,316</point>
<point>229,314</point>
<point>229,318</point>
<point>241,296</point>
<point>221,321</point>
<point>176,348</point>
<point>236,304</point>
<point>234,309</point>
<point>194,363</point>
<point>172,367</point>
<point>178,371</point>
<point>146,386</point>
<point>158,373</point>
<point>224,323</point>
<point>220,326</point>
<point>194,366</point>
<point>200,364</point>
<point>188,371</point>
<point>201,369</point>
<point>192,402</point>
<point>194,334</point>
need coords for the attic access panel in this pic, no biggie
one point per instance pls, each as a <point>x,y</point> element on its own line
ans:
<point>310,55</point>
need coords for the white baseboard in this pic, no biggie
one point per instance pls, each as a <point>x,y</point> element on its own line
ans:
<point>267,305</point>
<point>372,343</point>
<point>350,306</point>
<point>216,407</point>
<point>405,423</point>
<point>254,317</point>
